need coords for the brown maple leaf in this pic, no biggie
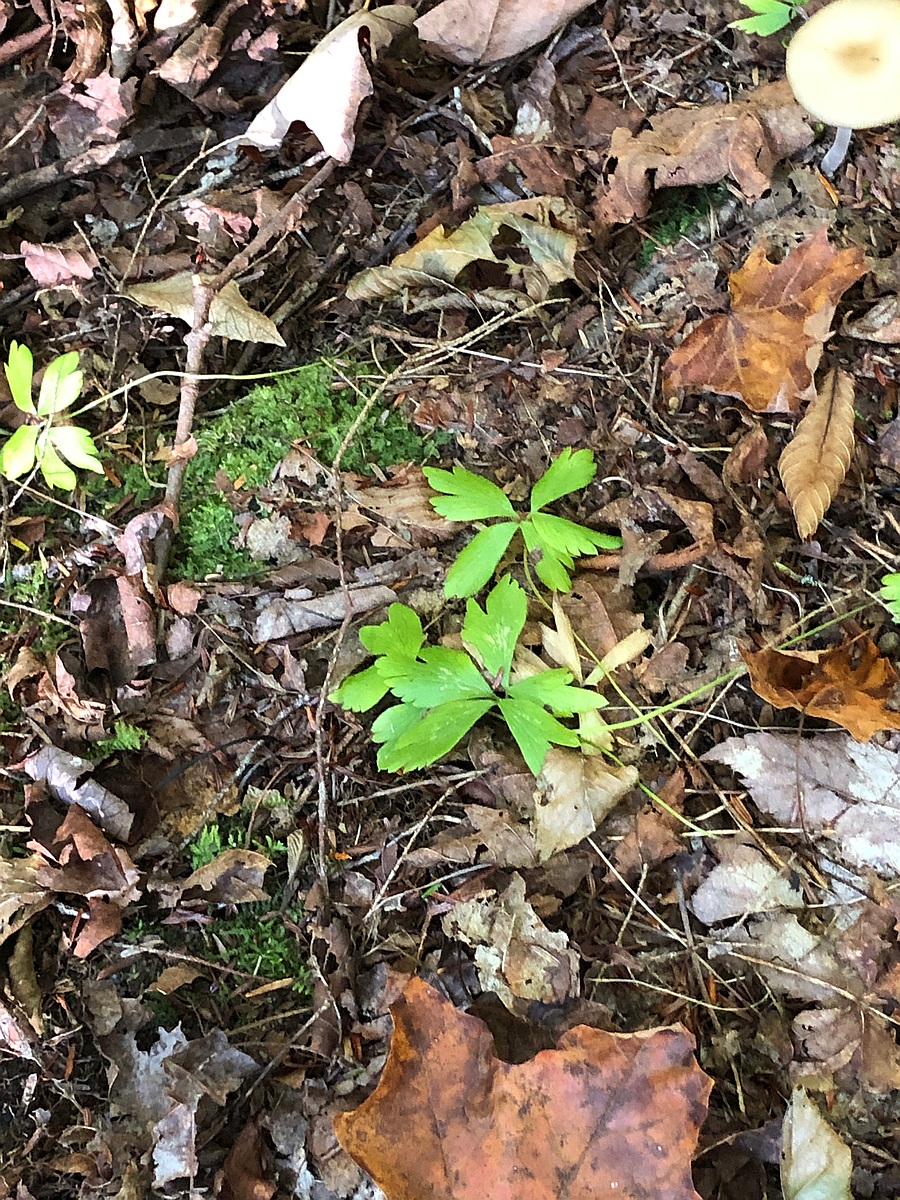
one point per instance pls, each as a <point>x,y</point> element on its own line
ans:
<point>766,349</point>
<point>850,684</point>
<point>703,145</point>
<point>604,1114</point>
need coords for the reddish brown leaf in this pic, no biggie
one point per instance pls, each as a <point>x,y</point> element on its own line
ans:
<point>850,684</point>
<point>765,351</point>
<point>603,1115</point>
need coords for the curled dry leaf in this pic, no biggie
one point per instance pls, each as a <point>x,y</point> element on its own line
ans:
<point>230,314</point>
<point>765,351</point>
<point>850,684</point>
<point>604,1114</point>
<point>327,90</point>
<point>814,463</point>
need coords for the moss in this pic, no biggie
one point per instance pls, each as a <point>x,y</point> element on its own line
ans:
<point>250,438</point>
<point>673,213</point>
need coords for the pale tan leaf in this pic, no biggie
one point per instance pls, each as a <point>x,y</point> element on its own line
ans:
<point>231,315</point>
<point>814,463</point>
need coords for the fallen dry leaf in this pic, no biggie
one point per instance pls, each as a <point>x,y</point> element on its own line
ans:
<point>233,877</point>
<point>815,461</point>
<point>880,324</point>
<point>440,257</point>
<point>744,881</point>
<point>815,1163</point>
<point>231,315</point>
<point>517,956</point>
<point>609,1114</point>
<point>50,265</point>
<point>850,684</point>
<point>703,145</point>
<point>327,90</point>
<point>843,794</point>
<point>573,794</point>
<point>62,771</point>
<point>766,349</point>
<point>484,31</point>
<point>21,896</point>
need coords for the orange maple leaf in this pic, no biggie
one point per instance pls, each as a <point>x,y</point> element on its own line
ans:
<point>850,684</point>
<point>604,1114</point>
<point>766,349</point>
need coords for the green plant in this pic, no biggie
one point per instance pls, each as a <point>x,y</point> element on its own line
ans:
<point>42,442</point>
<point>443,692</point>
<point>890,594</point>
<point>553,541</point>
<point>125,737</point>
<point>259,942</point>
<point>768,16</point>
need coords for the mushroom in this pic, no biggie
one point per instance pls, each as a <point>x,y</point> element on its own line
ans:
<point>843,66</point>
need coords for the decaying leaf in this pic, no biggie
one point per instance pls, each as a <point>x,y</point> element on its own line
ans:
<point>703,145</point>
<point>231,315</point>
<point>543,226</point>
<point>21,895</point>
<point>233,877</point>
<point>327,90</point>
<point>744,881</point>
<point>574,793</point>
<point>815,1163</point>
<point>609,1114</point>
<point>766,349</point>
<point>62,771</point>
<point>50,265</point>
<point>492,29</point>
<point>815,461</point>
<point>851,684</point>
<point>838,791</point>
<point>517,956</point>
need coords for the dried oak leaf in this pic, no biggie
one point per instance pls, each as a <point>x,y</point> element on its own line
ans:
<point>850,684</point>
<point>815,461</point>
<point>609,1114</point>
<point>702,145</point>
<point>766,349</point>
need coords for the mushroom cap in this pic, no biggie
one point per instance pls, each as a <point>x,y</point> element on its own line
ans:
<point>843,64</point>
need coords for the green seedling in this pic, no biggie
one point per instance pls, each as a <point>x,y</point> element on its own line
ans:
<point>768,16</point>
<point>444,692</point>
<point>552,542</point>
<point>890,595</point>
<point>42,442</point>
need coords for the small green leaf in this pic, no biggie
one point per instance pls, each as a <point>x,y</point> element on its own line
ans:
<point>442,675</point>
<point>400,635</point>
<point>361,691</point>
<point>534,730</point>
<point>567,537</point>
<point>76,445</point>
<point>432,736</point>
<point>61,385</point>
<point>17,454</point>
<point>552,689</point>
<point>394,721</point>
<point>553,571</point>
<point>469,497</point>
<point>477,562</point>
<point>765,23</point>
<point>53,469</point>
<point>491,633</point>
<point>19,370</point>
<point>567,473</point>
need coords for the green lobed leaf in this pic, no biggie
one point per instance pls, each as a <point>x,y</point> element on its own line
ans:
<point>61,385</point>
<point>573,469</point>
<point>19,368</point>
<point>76,445</point>
<point>492,632</point>
<point>765,23</point>
<point>535,730</point>
<point>442,675</point>
<point>18,451</point>
<point>567,537</point>
<point>53,469</point>
<point>889,593</point>
<point>359,692</point>
<point>432,736</point>
<point>469,497</point>
<point>476,563</point>
<point>553,689</point>
<point>400,635</point>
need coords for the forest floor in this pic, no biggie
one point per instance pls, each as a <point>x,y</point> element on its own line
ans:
<point>618,242</point>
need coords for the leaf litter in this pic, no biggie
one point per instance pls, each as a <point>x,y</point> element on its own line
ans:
<point>209,896</point>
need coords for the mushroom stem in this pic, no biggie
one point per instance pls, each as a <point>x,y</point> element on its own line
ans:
<point>838,152</point>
